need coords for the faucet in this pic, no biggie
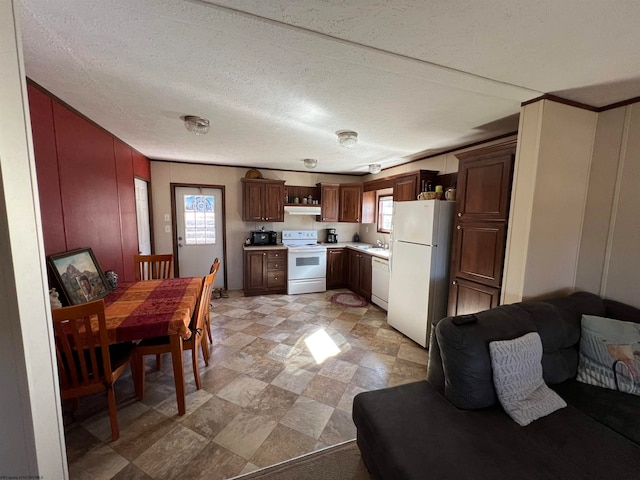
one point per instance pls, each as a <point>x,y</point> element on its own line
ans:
<point>379,244</point>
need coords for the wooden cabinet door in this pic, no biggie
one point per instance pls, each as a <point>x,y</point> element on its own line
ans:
<point>252,201</point>
<point>365,276</point>
<point>484,188</point>
<point>369,207</point>
<point>405,188</point>
<point>479,252</point>
<point>470,297</point>
<point>353,278</point>
<point>350,202</point>
<point>274,202</point>
<point>335,268</point>
<point>255,271</point>
<point>330,199</point>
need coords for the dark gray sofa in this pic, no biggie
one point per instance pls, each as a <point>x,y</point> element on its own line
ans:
<point>414,431</point>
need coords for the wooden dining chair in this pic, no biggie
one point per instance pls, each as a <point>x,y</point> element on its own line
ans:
<point>215,266</point>
<point>160,345</point>
<point>153,267</point>
<point>86,362</point>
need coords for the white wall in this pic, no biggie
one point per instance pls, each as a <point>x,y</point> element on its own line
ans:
<point>609,261</point>
<point>548,200</point>
<point>165,173</point>
<point>31,430</point>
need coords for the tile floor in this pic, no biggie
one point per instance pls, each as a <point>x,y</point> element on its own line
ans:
<point>264,399</point>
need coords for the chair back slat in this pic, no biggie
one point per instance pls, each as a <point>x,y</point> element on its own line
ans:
<point>83,358</point>
<point>202,306</point>
<point>153,267</point>
<point>215,266</point>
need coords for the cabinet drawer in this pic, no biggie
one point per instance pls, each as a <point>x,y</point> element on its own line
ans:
<point>276,279</point>
<point>276,265</point>
<point>276,255</point>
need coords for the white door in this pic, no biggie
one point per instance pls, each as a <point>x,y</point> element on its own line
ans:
<point>415,221</point>
<point>199,231</point>
<point>142,216</point>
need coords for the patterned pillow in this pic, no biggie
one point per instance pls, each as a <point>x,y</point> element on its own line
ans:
<point>517,378</point>
<point>610,354</point>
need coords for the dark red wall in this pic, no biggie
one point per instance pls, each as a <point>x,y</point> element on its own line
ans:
<point>85,183</point>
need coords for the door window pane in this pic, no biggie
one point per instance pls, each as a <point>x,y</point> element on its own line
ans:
<point>199,219</point>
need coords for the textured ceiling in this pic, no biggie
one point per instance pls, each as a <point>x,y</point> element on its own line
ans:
<point>277,78</point>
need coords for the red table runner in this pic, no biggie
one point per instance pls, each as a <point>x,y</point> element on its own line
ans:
<point>151,308</point>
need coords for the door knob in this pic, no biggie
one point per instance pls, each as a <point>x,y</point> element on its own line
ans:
<point>180,245</point>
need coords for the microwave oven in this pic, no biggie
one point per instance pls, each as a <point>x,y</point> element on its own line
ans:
<point>264,238</point>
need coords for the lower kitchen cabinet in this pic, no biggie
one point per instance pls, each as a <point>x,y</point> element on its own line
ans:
<point>359,273</point>
<point>265,271</point>
<point>335,268</point>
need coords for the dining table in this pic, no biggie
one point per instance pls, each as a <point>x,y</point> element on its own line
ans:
<point>155,308</point>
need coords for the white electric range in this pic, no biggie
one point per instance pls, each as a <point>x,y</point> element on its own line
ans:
<point>307,259</point>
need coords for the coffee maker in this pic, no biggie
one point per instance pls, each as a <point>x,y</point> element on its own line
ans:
<point>332,236</point>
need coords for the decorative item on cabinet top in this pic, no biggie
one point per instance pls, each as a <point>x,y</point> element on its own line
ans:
<point>253,173</point>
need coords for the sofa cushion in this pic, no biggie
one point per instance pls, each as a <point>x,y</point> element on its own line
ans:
<point>465,353</point>
<point>559,334</point>
<point>517,378</point>
<point>411,431</point>
<point>618,411</point>
<point>610,354</point>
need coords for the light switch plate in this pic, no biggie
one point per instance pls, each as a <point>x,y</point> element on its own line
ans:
<point>167,229</point>
<point>167,217</point>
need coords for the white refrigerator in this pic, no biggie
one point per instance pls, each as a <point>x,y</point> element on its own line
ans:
<point>419,265</point>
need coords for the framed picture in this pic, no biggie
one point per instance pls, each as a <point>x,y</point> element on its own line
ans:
<point>79,275</point>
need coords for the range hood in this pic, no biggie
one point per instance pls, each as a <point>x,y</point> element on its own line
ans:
<point>302,209</point>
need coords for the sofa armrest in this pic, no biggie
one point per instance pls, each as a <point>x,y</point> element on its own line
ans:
<point>435,372</point>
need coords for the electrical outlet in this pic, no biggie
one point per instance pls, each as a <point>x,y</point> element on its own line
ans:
<point>167,229</point>
<point>366,229</point>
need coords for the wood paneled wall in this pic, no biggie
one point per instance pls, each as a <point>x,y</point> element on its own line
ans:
<point>85,182</point>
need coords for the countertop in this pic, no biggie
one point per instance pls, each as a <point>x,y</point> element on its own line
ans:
<point>358,246</point>
<point>361,247</point>
<point>279,246</point>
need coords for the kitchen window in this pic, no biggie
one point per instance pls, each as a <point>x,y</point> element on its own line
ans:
<point>385,212</point>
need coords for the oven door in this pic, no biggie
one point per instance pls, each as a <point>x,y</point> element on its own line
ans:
<point>307,263</point>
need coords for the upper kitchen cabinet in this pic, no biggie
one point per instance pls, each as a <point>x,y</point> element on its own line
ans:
<point>407,187</point>
<point>330,200</point>
<point>484,184</point>
<point>262,200</point>
<point>350,202</point>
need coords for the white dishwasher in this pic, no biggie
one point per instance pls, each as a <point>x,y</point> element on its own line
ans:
<point>380,282</point>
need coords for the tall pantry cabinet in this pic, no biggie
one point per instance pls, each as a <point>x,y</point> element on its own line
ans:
<point>480,228</point>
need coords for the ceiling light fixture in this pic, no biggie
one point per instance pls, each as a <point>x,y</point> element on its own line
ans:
<point>310,162</point>
<point>196,125</point>
<point>347,138</point>
<point>375,168</point>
